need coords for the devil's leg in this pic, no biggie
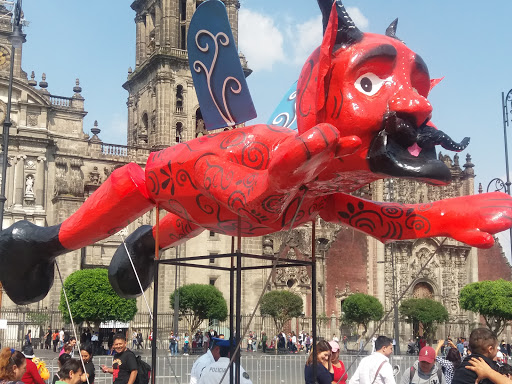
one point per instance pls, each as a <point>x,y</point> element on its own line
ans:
<point>173,230</point>
<point>27,252</point>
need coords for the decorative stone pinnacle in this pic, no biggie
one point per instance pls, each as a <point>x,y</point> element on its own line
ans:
<point>130,70</point>
<point>95,131</point>
<point>32,80</point>
<point>77,88</point>
<point>43,84</point>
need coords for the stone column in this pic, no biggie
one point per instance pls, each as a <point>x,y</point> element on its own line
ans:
<point>39,182</point>
<point>129,104</point>
<point>163,119</point>
<point>158,25</point>
<point>9,187</point>
<point>139,58</point>
<point>19,181</point>
<point>167,31</point>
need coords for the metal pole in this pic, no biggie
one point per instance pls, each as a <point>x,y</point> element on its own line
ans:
<point>6,127</point>
<point>155,296</point>
<point>231,308</point>
<point>176,296</point>
<point>505,124</point>
<point>395,301</point>
<point>238,298</point>
<point>313,296</point>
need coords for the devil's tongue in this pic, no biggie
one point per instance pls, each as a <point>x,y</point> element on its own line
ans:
<point>414,150</point>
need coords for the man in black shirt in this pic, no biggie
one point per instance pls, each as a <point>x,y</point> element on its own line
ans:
<point>124,364</point>
<point>482,343</point>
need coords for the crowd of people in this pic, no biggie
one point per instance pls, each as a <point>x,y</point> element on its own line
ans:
<point>481,358</point>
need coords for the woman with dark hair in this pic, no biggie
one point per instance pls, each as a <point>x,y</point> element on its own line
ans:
<point>324,370</point>
<point>61,360</point>
<point>12,366</point>
<point>86,353</point>
<point>449,363</point>
<point>70,372</point>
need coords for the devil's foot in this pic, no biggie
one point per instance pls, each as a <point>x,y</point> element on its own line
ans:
<point>27,254</point>
<point>141,247</point>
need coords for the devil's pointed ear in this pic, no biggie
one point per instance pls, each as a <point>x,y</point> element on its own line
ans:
<point>347,32</point>
<point>324,60</point>
<point>391,30</point>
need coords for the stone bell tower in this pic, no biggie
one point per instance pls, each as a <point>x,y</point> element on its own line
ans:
<point>162,105</point>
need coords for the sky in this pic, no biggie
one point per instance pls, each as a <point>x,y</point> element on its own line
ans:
<point>467,42</point>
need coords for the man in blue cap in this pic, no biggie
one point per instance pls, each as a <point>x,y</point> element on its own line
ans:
<point>213,373</point>
<point>210,357</point>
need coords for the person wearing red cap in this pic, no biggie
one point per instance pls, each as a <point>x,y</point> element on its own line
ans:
<point>340,375</point>
<point>425,370</point>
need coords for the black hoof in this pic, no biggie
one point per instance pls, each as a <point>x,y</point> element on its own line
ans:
<point>27,254</point>
<point>141,246</point>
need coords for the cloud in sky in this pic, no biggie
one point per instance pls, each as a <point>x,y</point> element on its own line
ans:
<point>262,40</point>
<point>359,19</point>
<point>305,38</point>
<point>259,40</point>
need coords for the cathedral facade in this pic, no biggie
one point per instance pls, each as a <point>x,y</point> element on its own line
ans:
<point>54,166</point>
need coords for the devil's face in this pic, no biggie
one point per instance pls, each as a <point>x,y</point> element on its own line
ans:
<point>377,89</point>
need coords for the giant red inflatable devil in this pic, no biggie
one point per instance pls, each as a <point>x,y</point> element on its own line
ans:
<point>363,114</point>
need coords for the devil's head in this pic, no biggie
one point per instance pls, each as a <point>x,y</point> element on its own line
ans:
<point>375,87</point>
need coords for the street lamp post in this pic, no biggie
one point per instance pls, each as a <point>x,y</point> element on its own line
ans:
<point>499,184</point>
<point>16,39</point>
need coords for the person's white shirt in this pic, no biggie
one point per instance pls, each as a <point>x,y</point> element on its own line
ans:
<point>199,365</point>
<point>367,370</point>
<point>214,372</point>
<point>61,335</point>
<point>334,338</point>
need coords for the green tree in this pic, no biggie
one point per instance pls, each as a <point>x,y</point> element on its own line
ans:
<point>92,299</point>
<point>360,309</point>
<point>492,300</point>
<point>428,312</point>
<point>199,302</point>
<point>282,306</point>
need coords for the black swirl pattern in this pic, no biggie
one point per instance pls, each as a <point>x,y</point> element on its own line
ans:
<point>392,211</point>
<point>183,177</point>
<point>256,155</point>
<point>178,209</point>
<point>419,223</point>
<point>237,200</point>
<point>234,139</point>
<point>362,218</point>
<point>205,204</point>
<point>215,177</point>
<point>155,185</point>
<point>274,204</point>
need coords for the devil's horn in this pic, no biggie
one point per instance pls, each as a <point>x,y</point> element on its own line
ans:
<point>348,33</point>
<point>391,30</point>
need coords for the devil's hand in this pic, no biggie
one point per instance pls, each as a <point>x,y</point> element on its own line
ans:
<point>475,219</point>
<point>301,158</point>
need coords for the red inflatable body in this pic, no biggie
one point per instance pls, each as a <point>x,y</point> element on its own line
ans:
<point>363,114</point>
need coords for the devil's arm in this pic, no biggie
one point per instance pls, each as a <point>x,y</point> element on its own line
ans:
<point>470,219</point>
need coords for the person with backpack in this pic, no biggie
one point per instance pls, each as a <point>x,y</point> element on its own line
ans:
<point>424,370</point>
<point>124,364</point>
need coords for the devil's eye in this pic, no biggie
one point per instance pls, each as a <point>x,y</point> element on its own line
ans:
<point>369,84</point>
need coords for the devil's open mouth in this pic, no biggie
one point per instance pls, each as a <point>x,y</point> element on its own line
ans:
<point>403,150</point>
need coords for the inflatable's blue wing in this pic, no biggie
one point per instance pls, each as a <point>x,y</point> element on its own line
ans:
<point>285,114</point>
<point>216,70</point>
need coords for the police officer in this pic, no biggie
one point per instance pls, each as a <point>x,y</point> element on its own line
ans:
<point>200,364</point>
<point>214,372</point>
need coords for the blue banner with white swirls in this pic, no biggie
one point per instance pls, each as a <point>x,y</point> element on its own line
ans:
<point>285,114</point>
<point>216,70</point>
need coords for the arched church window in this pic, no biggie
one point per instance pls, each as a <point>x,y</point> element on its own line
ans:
<point>200,127</point>
<point>183,10</point>
<point>144,130</point>
<point>179,132</point>
<point>179,98</point>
